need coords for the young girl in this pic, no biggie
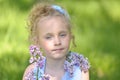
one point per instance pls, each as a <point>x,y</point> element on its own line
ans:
<point>50,32</point>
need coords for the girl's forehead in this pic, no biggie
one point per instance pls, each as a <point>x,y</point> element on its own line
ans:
<point>52,24</point>
<point>49,19</point>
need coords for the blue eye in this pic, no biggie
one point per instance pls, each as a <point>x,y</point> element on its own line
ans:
<point>62,35</point>
<point>48,37</point>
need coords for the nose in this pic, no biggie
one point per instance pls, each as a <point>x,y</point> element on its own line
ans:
<point>57,41</point>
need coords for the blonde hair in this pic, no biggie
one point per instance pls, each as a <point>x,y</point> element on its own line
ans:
<point>40,11</point>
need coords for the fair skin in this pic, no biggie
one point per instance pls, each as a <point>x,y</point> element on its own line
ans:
<point>54,39</point>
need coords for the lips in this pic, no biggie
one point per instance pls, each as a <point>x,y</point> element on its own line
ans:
<point>59,49</point>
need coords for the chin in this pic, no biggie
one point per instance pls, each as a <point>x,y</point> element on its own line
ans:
<point>59,57</point>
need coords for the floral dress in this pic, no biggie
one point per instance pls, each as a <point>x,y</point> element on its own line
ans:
<point>73,65</point>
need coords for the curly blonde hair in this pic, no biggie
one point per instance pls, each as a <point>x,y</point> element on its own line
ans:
<point>40,11</point>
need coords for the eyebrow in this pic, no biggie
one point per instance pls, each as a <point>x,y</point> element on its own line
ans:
<point>48,34</point>
<point>63,31</point>
<point>59,32</point>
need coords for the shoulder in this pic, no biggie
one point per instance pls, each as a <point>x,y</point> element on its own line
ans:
<point>80,75</point>
<point>29,70</point>
<point>85,75</point>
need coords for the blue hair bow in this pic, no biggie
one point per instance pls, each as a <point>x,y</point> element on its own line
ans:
<point>59,9</point>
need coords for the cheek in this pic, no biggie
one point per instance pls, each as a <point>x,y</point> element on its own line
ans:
<point>67,41</point>
<point>45,45</point>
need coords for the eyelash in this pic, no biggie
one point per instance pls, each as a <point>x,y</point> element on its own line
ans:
<point>62,35</point>
<point>48,37</point>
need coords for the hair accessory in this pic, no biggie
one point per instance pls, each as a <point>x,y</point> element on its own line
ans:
<point>61,10</point>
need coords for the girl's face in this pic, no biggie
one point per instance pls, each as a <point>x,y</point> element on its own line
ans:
<point>54,37</point>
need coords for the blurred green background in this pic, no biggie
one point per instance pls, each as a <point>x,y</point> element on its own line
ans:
<point>96,26</point>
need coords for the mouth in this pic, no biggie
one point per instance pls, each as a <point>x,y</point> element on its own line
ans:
<point>59,49</point>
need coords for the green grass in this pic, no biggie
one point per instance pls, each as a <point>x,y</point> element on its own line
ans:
<point>96,26</point>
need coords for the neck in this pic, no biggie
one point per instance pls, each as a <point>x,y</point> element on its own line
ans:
<point>55,64</point>
<point>55,67</point>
